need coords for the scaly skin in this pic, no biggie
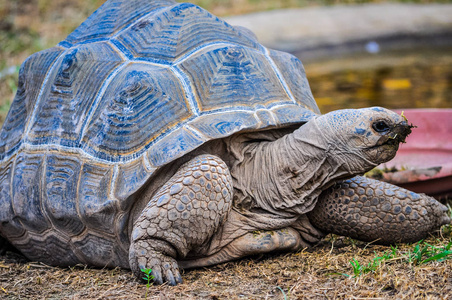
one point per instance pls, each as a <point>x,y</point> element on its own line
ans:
<point>181,216</point>
<point>371,210</point>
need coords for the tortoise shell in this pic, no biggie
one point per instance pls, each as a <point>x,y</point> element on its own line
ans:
<point>136,86</point>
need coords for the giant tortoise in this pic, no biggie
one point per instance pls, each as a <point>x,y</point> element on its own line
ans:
<point>158,136</point>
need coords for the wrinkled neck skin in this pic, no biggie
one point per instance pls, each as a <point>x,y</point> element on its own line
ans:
<point>277,182</point>
<point>285,177</point>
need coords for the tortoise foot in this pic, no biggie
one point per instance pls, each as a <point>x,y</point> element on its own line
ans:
<point>181,216</point>
<point>157,256</point>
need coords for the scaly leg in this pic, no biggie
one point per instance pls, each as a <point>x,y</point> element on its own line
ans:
<point>371,210</point>
<point>181,216</point>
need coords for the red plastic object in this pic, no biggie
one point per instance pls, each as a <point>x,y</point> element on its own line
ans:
<point>425,161</point>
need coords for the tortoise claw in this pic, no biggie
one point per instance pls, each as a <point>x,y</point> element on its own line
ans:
<point>156,272</point>
<point>164,267</point>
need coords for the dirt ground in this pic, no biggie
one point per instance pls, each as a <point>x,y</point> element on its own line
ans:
<point>323,272</point>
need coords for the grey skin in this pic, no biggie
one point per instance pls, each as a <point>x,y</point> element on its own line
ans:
<point>280,190</point>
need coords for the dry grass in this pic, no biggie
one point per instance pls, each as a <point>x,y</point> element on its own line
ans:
<point>314,274</point>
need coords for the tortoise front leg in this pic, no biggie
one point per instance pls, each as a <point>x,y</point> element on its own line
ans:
<point>371,210</point>
<point>181,216</point>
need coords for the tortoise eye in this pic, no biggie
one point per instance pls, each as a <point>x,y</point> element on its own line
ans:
<point>380,126</point>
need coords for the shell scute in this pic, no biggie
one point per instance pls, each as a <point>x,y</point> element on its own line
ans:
<point>292,114</point>
<point>130,178</point>
<point>173,146</point>
<point>32,76</point>
<point>70,93</point>
<point>97,209</point>
<point>142,103</point>
<point>52,247</point>
<point>7,222</point>
<point>100,250</point>
<point>61,191</point>
<point>170,34</point>
<point>225,123</point>
<point>111,18</point>
<point>234,77</point>
<point>27,192</point>
<point>294,76</point>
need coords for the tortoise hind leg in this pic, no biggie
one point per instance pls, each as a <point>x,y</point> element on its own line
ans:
<point>181,216</point>
<point>371,210</point>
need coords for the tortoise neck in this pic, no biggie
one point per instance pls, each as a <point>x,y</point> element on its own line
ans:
<point>285,177</point>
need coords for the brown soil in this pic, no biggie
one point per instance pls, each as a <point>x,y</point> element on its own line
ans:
<point>323,272</point>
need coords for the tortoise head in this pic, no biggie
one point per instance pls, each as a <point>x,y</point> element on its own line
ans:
<point>364,138</point>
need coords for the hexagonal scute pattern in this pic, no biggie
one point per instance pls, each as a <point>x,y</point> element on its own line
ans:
<point>141,104</point>
<point>168,35</point>
<point>188,209</point>
<point>111,17</point>
<point>32,75</point>
<point>69,94</point>
<point>234,77</point>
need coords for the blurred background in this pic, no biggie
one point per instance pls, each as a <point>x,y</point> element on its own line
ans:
<point>349,64</point>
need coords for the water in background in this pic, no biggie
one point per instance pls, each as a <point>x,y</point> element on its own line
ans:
<point>399,79</point>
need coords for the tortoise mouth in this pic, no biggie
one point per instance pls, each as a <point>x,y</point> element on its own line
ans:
<point>395,135</point>
<point>387,145</point>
